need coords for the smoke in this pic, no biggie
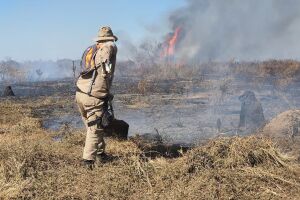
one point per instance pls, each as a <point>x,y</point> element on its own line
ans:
<point>50,70</point>
<point>235,29</point>
<point>39,70</point>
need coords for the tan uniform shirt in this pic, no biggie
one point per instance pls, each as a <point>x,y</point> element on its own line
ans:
<point>107,53</point>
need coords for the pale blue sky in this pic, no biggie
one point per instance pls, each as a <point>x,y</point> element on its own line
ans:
<point>54,29</point>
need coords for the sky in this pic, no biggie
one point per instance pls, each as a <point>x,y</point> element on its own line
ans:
<point>56,29</point>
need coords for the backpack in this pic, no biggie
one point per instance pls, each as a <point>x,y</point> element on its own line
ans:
<point>87,63</point>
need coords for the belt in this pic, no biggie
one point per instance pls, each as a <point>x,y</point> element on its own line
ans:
<point>106,98</point>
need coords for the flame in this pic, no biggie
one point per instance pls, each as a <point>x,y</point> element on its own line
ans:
<point>170,44</point>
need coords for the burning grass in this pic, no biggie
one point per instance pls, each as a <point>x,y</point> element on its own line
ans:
<point>34,166</point>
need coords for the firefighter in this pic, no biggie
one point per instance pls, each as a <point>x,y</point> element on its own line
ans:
<point>93,93</point>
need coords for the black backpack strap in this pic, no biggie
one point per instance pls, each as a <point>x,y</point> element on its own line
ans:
<point>92,82</point>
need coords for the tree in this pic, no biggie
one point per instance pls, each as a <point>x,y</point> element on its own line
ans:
<point>147,53</point>
<point>11,70</point>
<point>74,69</point>
<point>39,72</point>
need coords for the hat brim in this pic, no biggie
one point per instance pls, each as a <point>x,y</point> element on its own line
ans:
<point>106,38</point>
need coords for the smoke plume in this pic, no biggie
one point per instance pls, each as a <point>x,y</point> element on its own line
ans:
<point>235,29</point>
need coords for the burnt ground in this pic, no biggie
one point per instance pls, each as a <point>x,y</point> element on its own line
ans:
<point>181,110</point>
<point>34,166</point>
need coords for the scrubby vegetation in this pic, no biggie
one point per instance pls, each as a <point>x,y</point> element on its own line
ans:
<point>156,78</point>
<point>275,68</point>
<point>34,166</point>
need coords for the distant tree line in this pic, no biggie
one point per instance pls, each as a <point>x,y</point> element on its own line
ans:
<point>12,71</point>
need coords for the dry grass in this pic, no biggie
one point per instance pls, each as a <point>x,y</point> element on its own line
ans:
<point>34,166</point>
<point>278,68</point>
<point>280,72</point>
<point>179,78</point>
<point>284,131</point>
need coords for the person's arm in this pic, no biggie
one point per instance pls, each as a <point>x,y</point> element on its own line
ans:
<point>105,54</point>
<point>104,58</point>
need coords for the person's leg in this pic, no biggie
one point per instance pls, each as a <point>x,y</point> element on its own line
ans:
<point>101,144</point>
<point>81,108</point>
<point>94,143</point>
<point>91,110</point>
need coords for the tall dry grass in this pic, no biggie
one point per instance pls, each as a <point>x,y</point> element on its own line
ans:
<point>34,166</point>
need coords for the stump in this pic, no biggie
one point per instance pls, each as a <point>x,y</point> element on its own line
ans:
<point>251,115</point>
<point>8,92</point>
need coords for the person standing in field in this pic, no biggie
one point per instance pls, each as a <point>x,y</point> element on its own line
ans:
<point>93,95</point>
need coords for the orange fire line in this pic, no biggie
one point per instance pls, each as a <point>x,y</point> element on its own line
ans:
<point>172,42</point>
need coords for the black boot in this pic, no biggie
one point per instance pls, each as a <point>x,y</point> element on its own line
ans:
<point>103,158</point>
<point>88,164</point>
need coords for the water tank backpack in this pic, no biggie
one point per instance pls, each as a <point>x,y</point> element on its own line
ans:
<point>88,65</point>
<point>88,60</point>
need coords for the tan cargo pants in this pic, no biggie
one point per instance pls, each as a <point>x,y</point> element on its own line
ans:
<point>90,109</point>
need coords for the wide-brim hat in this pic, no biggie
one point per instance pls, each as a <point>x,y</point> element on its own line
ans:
<point>105,33</point>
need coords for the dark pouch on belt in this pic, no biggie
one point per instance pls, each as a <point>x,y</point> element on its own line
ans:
<point>106,119</point>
